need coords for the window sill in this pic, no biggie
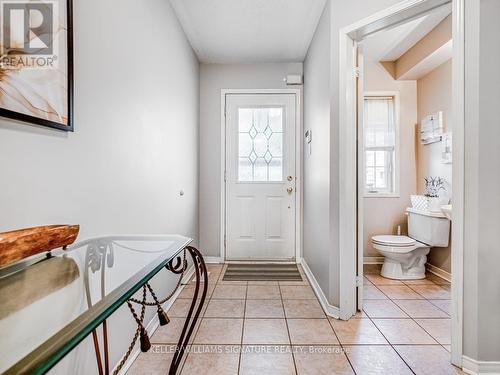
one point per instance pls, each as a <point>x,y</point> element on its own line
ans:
<point>382,195</point>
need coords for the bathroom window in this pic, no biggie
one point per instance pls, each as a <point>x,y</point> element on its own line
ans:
<point>380,144</point>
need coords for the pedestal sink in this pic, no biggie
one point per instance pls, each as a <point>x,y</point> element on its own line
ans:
<point>446,209</point>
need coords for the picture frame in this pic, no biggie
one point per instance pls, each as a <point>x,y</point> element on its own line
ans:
<point>40,93</point>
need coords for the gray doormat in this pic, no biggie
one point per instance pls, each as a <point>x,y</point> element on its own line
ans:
<point>262,272</point>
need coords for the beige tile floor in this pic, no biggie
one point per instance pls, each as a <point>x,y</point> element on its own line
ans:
<point>280,328</point>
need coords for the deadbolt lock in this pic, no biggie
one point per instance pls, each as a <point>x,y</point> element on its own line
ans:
<point>289,178</point>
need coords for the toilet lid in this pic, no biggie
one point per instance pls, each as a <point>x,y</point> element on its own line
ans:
<point>393,240</point>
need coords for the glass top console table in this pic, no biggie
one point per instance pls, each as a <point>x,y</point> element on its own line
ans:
<point>49,305</point>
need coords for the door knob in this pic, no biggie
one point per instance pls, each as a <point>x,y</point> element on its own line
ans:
<point>290,190</point>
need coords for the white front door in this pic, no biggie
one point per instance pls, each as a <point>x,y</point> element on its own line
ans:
<point>260,176</point>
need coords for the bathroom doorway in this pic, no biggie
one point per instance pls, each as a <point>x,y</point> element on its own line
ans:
<point>399,162</point>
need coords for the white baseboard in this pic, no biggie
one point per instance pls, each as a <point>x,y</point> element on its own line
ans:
<point>213,259</point>
<point>329,310</point>
<point>154,323</point>
<point>438,272</point>
<point>373,260</point>
<point>471,366</point>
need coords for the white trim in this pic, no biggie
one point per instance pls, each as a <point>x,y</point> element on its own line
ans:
<point>397,155</point>
<point>298,163</point>
<point>458,180</point>
<point>348,176</point>
<point>212,260</point>
<point>471,366</point>
<point>373,260</point>
<point>154,323</point>
<point>348,37</point>
<point>438,272</point>
<point>329,310</point>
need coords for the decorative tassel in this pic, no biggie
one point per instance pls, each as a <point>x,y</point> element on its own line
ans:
<point>145,343</point>
<point>163,317</point>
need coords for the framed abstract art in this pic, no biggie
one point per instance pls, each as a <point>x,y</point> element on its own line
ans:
<point>36,63</point>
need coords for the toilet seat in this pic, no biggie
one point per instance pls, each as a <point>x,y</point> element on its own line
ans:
<point>394,244</point>
<point>394,241</point>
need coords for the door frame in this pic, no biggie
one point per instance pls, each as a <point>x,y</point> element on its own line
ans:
<point>298,164</point>
<point>403,11</point>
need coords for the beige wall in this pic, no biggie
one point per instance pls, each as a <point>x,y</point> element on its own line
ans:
<point>428,45</point>
<point>434,94</point>
<point>393,209</point>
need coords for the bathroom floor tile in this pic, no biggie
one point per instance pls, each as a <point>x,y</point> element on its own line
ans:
<point>263,292</point>
<point>230,292</point>
<point>440,329</point>
<point>403,331</point>
<point>381,280</point>
<point>321,361</point>
<point>225,308</point>
<point>399,292</point>
<point>357,332</point>
<point>428,359</point>
<point>265,331</point>
<point>303,308</point>
<point>443,304</point>
<point>311,332</point>
<point>360,315</point>
<point>297,292</point>
<point>383,309</point>
<point>372,292</point>
<point>420,309</point>
<point>201,360</point>
<point>257,360</point>
<point>374,360</point>
<point>432,291</point>
<point>264,308</point>
<point>219,331</point>
<point>425,281</point>
<point>366,281</point>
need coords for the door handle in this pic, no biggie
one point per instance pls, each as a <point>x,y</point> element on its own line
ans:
<point>289,190</point>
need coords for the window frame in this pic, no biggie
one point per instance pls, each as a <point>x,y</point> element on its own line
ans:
<point>395,193</point>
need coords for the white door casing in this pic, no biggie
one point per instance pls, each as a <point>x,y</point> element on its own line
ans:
<point>260,176</point>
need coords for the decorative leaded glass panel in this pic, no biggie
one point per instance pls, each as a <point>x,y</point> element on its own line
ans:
<point>260,144</point>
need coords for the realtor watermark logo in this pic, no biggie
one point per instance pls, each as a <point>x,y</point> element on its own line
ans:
<point>29,38</point>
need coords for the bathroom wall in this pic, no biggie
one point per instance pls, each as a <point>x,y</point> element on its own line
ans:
<point>392,209</point>
<point>135,144</point>
<point>434,92</point>
<point>213,78</point>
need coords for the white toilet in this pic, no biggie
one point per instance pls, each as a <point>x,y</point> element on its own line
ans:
<point>405,256</point>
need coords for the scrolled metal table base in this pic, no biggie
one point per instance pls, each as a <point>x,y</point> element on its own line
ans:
<point>177,266</point>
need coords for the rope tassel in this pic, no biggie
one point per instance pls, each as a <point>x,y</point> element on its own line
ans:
<point>163,317</point>
<point>145,343</point>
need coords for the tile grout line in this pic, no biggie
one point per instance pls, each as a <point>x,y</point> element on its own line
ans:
<point>287,329</point>
<point>243,328</point>
<point>341,345</point>
<point>414,320</point>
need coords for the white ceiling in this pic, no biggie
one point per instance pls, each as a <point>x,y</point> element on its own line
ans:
<point>249,31</point>
<point>389,45</point>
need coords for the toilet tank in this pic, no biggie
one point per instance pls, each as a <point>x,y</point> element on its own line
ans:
<point>429,227</point>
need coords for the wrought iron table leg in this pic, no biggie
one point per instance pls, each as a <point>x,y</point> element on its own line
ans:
<point>200,271</point>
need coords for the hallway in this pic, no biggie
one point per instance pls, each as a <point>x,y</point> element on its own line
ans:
<point>280,328</point>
